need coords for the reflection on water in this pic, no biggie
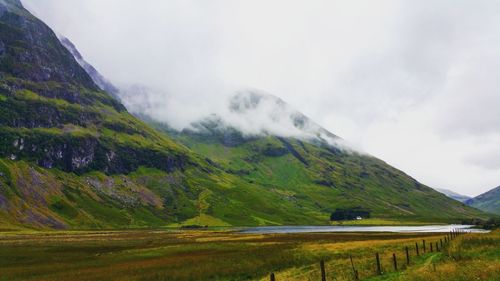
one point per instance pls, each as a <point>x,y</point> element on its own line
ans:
<point>341,228</point>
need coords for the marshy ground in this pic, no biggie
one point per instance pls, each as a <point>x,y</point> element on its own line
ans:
<point>226,255</point>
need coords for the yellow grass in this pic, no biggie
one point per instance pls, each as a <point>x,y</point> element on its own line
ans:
<point>226,255</point>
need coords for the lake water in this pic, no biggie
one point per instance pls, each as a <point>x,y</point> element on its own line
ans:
<point>341,228</point>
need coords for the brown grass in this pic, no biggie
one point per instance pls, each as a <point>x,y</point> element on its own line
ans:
<point>203,255</point>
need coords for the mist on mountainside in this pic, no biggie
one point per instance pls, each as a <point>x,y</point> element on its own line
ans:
<point>252,112</point>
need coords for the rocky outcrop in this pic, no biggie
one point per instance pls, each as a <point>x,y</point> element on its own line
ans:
<point>98,79</point>
<point>125,191</point>
<point>85,153</point>
<point>52,112</point>
<point>2,49</point>
<point>33,52</point>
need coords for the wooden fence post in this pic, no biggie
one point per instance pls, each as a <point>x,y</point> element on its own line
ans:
<point>379,270</point>
<point>323,272</point>
<point>354,271</point>
<point>395,261</point>
<point>407,256</point>
<point>272,277</point>
<point>437,247</point>
<point>441,242</point>
<point>423,242</point>
<point>416,247</point>
<point>431,247</point>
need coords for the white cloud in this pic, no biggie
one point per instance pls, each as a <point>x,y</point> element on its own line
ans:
<point>414,83</point>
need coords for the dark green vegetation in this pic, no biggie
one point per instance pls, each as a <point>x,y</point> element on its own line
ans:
<point>491,223</point>
<point>211,255</point>
<point>73,157</point>
<point>349,214</point>
<point>488,201</point>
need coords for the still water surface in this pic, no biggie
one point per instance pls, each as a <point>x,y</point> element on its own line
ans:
<point>342,228</point>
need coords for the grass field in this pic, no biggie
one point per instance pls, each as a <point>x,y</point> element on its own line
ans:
<point>224,255</point>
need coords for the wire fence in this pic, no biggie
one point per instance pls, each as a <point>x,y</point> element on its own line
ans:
<point>420,248</point>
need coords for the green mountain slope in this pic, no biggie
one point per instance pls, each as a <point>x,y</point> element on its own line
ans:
<point>488,201</point>
<point>73,157</point>
<point>309,172</point>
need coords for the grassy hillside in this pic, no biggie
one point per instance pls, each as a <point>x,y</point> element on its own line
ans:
<point>488,201</point>
<point>148,197</point>
<point>319,179</point>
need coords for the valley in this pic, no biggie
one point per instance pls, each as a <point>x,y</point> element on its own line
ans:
<point>225,255</point>
<point>101,182</point>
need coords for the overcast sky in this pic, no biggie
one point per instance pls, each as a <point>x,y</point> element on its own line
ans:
<point>415,83</point>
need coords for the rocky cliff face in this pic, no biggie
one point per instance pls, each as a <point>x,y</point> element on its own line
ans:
<point>33,52</point>
<point>98,79</point>
<point>52,112</point>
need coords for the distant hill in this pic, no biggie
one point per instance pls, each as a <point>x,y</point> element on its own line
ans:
<point>488,201</point>
<point>453,195</point>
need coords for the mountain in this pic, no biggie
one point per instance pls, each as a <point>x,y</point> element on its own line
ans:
<point>98,79</point>
<point>488,201</point>
<point>307,165</point>
<point>453,195</point>
<point>73,157</point>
